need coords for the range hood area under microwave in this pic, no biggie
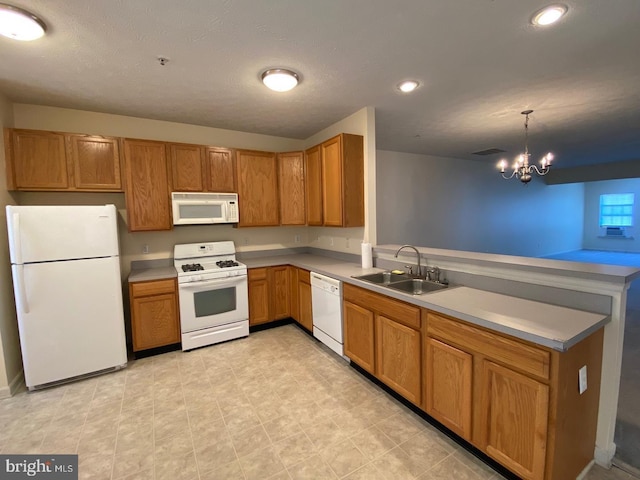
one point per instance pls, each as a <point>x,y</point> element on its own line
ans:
<point>204,208</point>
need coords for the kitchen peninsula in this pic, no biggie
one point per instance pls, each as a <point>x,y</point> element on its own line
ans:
<point>498,344</point>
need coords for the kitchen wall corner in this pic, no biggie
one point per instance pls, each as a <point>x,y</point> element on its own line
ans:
<point>10,359</point>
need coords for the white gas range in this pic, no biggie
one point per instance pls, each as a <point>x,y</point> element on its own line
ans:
<point>213,291</point>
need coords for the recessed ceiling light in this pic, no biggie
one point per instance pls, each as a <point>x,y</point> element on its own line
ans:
<point>19,24</point>
<point>549,15</point>
<point>408,86</point>
<point>280,79</point>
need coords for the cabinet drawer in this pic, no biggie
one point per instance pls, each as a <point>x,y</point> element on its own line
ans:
<point>304,276</point>
<point>257,274</point>
<point>155,287</point>
<point>389,307</point>
<point>509,352</point>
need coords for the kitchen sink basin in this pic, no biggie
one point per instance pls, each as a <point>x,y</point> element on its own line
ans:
<point>417,286</point>
<point>379,278</point>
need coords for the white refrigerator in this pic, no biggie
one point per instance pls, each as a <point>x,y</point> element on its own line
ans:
<point>66,281</point>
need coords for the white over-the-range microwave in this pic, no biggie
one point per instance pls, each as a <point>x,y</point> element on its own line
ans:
<point>204,208</point>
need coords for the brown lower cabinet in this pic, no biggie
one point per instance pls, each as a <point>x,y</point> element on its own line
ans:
<point>516,401</point>
<point>383,336</point>
<point>155,320</point>
<point>269,294</point>
<point>305,315</point>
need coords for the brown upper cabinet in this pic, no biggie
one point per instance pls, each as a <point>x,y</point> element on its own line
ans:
<point>147,185</point>
<point>94,162</point>
<point>196,168</point>
<point>291,188</point>
<point>257,175</point>
<point>41,160</point>
<point>313,170</point>
<point>219,170</point>
<point>342,160</point>
<point>187,163</point>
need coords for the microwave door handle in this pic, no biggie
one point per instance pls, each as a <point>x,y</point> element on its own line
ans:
<point>210,283</point>
<point>223,211</point>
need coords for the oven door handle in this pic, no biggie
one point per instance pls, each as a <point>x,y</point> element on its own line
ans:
<point>218,281</point>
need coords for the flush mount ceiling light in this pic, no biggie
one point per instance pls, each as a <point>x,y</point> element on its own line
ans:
<point>549,15</point>
<point>521,168</point>
<point>19,24</point>
<point>408,86</point>
<point>280,79</point>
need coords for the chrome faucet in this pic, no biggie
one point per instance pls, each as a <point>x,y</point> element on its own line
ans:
<point>419,273</point>
<point>436,274</point>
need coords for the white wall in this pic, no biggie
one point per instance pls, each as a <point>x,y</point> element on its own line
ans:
<point>466,205</point>
<point>10,360</point>
<point>40,117</point>
<point>592,230</point>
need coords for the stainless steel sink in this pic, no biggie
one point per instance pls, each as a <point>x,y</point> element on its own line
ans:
<point>417,286</point>
<point>380,279</point>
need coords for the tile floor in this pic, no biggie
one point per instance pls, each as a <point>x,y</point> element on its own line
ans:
<point>276,405</point>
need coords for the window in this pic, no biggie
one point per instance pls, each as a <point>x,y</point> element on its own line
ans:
<point>616,210</point>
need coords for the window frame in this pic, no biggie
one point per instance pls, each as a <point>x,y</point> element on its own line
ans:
<point>616,210</point>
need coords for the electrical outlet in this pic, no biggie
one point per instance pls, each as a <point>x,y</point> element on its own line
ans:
<point>246,240</point>
<point>582,379</point>
<point>331,241</point>
<point>347,242</point>
<point>296,239</point>
<point>145,249</point>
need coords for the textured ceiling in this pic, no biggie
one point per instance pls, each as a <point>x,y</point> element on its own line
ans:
<point>480,63</point>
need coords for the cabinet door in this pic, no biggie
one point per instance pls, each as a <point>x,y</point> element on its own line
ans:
<point>147,186</point>
<point>398,361</point>
<point>95,162</point>
<point>313,167</point>
<point>258,296</point>
<point>352,180</point>
<point>39,160</point>
<point>515,417</point>
<point>279,286</point>
<point>358,335</point>
<point>219,167</point>
<point>294,296</point>
<point>291,188</point>
<point>186,167</point>
<point>154,321</point>
<point>448,386</point>
<point>332,194</point>
<point>257,188</point>
<point>306,314</point>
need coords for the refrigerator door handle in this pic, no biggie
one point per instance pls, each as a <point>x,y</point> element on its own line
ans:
<point>17,247</point>
<point>22,291</point>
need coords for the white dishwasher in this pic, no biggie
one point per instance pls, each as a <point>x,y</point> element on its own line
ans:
<point>326,304</point>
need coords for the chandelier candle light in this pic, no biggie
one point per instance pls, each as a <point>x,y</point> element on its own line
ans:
<point>521,168</point>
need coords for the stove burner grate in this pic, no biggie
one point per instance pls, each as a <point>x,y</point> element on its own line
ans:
<point>227,263</point>
<point>192,267</point>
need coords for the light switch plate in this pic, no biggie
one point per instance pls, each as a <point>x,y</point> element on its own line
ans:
<point>582,379</point>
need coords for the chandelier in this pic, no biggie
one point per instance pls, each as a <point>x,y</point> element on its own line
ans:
<point>522,170</point>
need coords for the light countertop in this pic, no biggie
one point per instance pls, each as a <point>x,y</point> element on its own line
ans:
<point>152,273</point>
<point>552,326</point>
<point>548,325</point>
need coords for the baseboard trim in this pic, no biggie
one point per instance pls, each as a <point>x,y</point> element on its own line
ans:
<point>583,473</point>
<point>13,387</point>
<point>604,456</point>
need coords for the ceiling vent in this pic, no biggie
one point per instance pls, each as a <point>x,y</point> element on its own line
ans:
<point>489,151</point>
